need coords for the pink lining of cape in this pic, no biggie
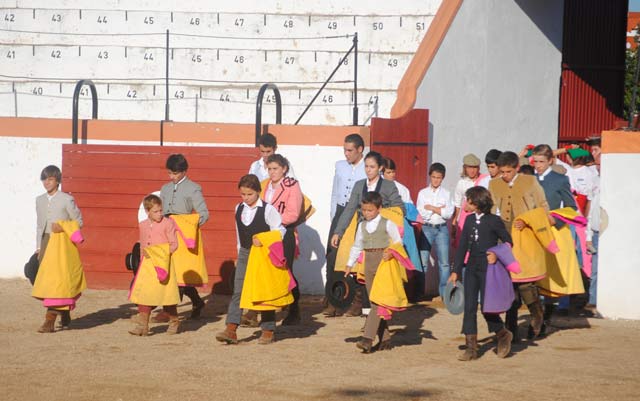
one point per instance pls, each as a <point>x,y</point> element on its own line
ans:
<point>161,273</point>
<point>276,254</point>
<point>77,237</point>
<point>578,221</point>
<point>553,247</point>
<point>384,311</point>
<point>57,302</point>
<point>189,242</point>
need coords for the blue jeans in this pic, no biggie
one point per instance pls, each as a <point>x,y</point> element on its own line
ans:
<point>565,301</point>
<point>438,237</point>
<point>593,287</point>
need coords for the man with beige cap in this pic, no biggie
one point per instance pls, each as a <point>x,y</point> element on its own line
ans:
<point>470,177</point>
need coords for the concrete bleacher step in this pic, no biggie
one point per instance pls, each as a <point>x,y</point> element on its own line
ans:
<point>221,58</point>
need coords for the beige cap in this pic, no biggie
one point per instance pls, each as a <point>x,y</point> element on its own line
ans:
<point>471,160</point>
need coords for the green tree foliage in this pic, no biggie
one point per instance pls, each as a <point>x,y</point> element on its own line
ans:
<point>629,84</point>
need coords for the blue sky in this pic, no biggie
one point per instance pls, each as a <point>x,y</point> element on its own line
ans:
<point>634,5</point>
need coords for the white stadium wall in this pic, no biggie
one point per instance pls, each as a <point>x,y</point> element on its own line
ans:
<point>220,54</point>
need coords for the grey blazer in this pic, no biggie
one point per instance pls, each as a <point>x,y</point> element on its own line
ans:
<point>184,199</point>
<point>557,189</point>
<point>61,207</point>
<point>390,197</point>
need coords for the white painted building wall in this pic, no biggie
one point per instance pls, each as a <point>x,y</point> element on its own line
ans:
<point>494,82</point>
<point>619,253</point>
<point>221,52</point>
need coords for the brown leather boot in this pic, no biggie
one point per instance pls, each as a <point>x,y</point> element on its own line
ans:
<point>267,337</point>
<point>160,317</point>
<point>250,319</point>
<point>49,322</point>
<point>174,325</point>
<point>537,317</point>
<point>504,338</point>
<point>471,352</point>
<point>356,307</point>
<point>365,344</point>
<point>228,335</point>
<point>331,311</point>
<point>142,325</point>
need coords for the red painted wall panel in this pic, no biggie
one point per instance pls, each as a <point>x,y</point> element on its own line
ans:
<point>109,183</point>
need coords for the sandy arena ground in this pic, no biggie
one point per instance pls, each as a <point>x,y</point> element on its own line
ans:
<point>582,358</point>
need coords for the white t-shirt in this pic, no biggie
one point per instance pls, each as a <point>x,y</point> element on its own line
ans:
<point>404,192</point>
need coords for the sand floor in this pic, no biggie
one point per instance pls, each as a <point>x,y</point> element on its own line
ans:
<point>581,359</point>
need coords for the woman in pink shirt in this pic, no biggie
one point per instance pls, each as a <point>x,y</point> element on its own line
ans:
<point>285,195</point>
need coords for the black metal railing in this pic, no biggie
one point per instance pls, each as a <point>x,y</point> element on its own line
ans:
<point>354,49</point>
<point>76,98</point>
<point>261,92</point>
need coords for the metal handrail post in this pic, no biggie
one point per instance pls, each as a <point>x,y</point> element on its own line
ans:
<point>261,92</point>
<point>76,100</point>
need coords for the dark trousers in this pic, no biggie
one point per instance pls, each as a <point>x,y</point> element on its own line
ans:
<point>331,251</point>
<point>234,313</point>
<point>374,323</point>
<point>474,281</point>
<point>526,292</point>
<point>289,245</point>
<point>192,294</point>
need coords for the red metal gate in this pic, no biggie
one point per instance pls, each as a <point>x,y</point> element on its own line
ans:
<point>406,141</point>
<point>109,182</point>
<point>593,67</point>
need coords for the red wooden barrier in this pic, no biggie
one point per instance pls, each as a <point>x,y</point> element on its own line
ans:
<point>109,182</point>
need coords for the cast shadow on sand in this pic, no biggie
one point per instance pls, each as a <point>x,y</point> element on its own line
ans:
<point>411,330</point>
<point>577,322</point>
<point>384,394</point>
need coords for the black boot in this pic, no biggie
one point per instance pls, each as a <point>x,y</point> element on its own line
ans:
<point>65,319</point>
<point>511,323</point>
<point>293,317</point>
<point>196,302</point>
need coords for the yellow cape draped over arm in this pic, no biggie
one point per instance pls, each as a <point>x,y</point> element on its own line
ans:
<point>188,260</point>
<point>60,274</point>
<point>147,289</point>
<point>266,286</point>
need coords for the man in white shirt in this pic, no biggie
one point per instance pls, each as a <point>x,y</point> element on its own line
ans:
<point>347,172</point>
<point>268,144</point>
<point>435,206</point>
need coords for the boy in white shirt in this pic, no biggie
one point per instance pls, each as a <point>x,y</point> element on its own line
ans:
<point>435,206</point>
<point>268,144</point>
